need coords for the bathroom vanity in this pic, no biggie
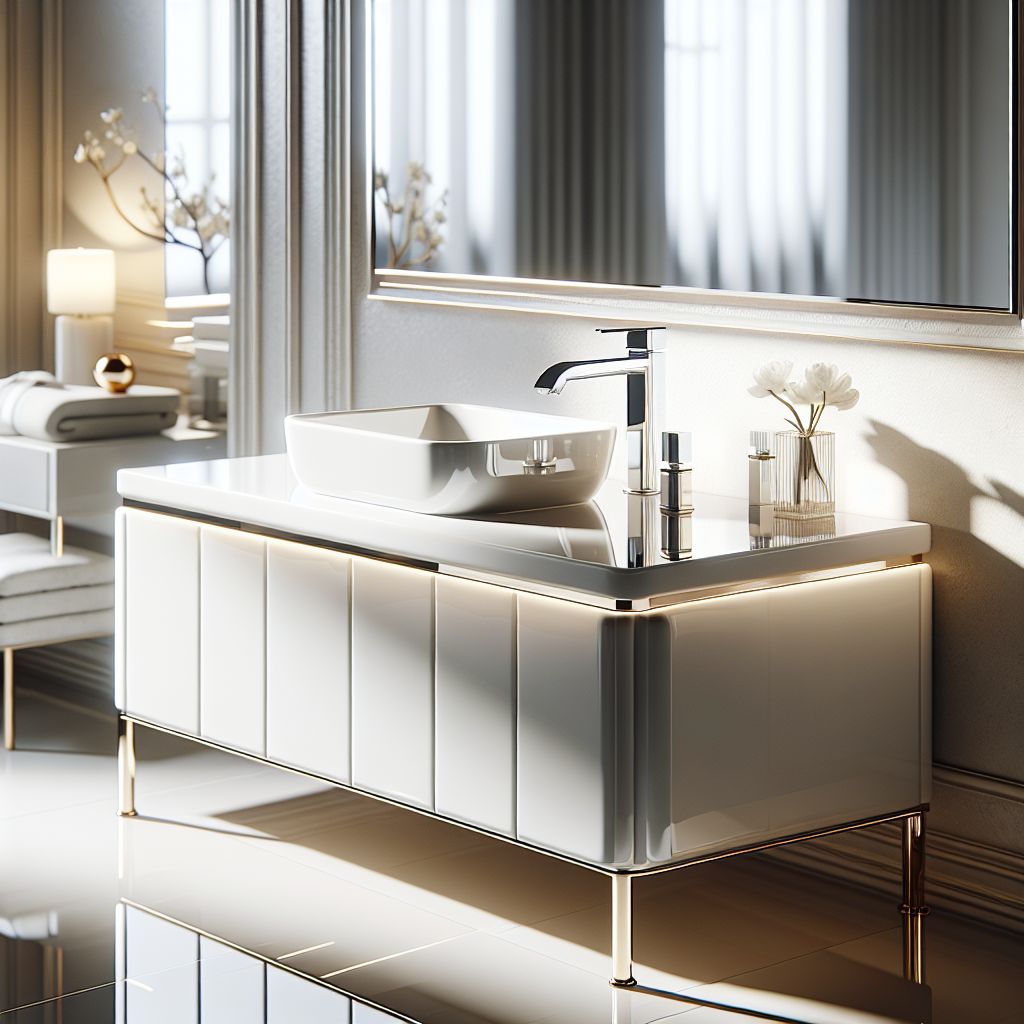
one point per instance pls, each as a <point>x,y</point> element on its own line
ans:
<point>548,678</point>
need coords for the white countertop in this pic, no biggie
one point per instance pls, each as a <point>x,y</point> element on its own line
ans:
<point>582,548</point>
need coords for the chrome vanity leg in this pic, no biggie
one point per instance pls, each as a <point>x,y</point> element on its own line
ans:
<point>125,767</point>
<point>913,907</point>
<point>57,536</point>
<point>8,698</point>
<point>622,931</point>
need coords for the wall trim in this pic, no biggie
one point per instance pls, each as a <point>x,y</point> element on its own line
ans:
<point>52,70</point>
<point>246,354</point>
<point>338,178</point>
<point>980,881</point>
<point>21,197</point>
<point>291,271</point>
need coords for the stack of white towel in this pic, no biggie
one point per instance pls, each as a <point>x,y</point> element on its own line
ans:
<point>34,404</point>
<point>47,598</point>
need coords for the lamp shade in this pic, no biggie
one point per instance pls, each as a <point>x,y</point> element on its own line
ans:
<point>80,281</point>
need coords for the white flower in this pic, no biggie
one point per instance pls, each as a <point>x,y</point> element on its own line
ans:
<point>772,377</point>
<point>80,154</point>
<point>112,116</point>
<point>823,384</point>
<point>130,148</point>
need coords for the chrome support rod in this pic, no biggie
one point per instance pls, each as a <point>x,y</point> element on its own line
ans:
<point>622,931</point>
<point>8,698</point>
<point>125,768</point>
<point>913,907</point>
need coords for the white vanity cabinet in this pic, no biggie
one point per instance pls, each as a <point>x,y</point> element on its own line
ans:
<point>627,719</point>
<point>622,739</point>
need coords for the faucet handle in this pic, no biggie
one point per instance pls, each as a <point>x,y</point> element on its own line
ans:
<point>636,337</point>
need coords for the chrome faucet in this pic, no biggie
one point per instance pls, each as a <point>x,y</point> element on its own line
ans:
<point>645,390</point>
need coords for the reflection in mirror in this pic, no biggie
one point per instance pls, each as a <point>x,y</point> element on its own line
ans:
<point>197,139</point>
<point>197,215</point>
<point>843,148</point>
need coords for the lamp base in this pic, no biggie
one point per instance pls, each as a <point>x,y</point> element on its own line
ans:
<point>78,342</point>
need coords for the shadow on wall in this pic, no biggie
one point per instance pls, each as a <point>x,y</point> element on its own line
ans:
<point>978,642</point>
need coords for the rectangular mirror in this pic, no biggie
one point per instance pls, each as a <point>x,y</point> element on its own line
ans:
<point>855,149</point>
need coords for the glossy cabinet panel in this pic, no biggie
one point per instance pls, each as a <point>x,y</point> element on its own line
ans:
<point>308,692</point>
<point>476,704</point>
<point>233,612</point>
<point>393,681</point>
<point>721,722</point>
<point>575,778</point>
<point>162,619</point>
<point>844,728</point>
<point>783,711</point>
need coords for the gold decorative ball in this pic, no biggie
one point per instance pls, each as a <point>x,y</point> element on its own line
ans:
<point>114,372</point>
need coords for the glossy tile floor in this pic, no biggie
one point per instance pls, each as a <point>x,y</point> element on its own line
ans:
<point>424,920</point>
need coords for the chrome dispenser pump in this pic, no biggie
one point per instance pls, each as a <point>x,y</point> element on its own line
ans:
<point>676,496</point>
<point>761,484</point>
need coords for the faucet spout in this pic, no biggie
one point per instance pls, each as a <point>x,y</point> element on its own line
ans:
<point>644,400</point>
<point>555,377</point>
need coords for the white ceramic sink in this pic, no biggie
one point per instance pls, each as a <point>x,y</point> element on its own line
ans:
<point>450,459</point>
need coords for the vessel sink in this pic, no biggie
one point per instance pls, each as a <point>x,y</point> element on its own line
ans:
<point>450,459</point>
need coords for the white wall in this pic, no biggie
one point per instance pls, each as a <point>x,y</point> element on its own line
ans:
<point>112,50</point>
<point>938,436</point>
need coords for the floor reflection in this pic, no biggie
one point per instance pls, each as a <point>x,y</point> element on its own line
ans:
<point>245,873</point>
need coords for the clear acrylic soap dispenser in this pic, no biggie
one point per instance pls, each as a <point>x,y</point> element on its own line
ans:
<point>761,486</point>
<point>761,468</point>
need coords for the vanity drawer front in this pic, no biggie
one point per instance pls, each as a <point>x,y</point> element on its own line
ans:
<point>232,611</point>
<point>393,681</point>
<point>161,581</point>
<point>25,479</point>
<point>575,727</point>
<point>308,691</point>
<point>476,704</point>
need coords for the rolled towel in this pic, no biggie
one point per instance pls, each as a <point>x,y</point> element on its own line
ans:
<point>13,389</point>
<point>28,567</point>
<point>74,413</point>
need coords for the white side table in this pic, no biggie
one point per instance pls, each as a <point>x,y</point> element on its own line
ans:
<point>77,482</point>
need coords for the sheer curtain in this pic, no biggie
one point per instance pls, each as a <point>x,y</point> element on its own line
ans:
<point>443,97</point>
<point>756,144</point>
<point>589,138</point>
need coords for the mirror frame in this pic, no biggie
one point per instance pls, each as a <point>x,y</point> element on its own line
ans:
<point>709,311</point>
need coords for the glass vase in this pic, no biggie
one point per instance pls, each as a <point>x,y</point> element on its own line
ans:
<point>805,471</point>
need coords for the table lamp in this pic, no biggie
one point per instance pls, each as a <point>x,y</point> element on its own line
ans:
<point>80,288</point>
